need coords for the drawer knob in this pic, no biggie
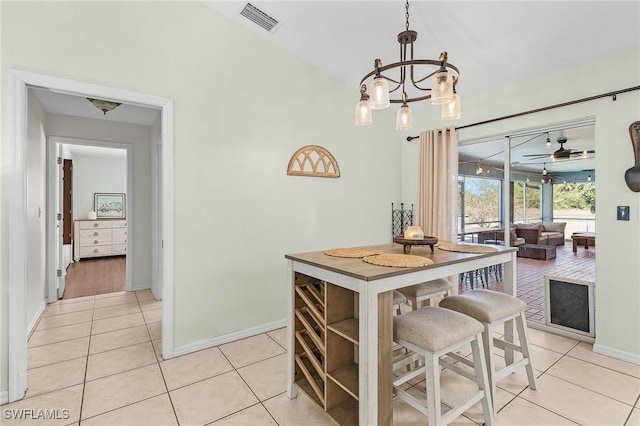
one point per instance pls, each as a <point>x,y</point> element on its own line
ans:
<point>95,234</point>
<point>95,250</point>
<point>95,242</point>
<point>95,225</point>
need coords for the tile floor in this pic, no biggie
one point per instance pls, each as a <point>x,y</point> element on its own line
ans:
<point>98,357</point>
<point>531,272</point>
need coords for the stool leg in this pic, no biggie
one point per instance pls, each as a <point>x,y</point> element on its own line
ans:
<point>480,367</point>
<point>432,364</point>
<point>487,346</point>
<point>526,349</point>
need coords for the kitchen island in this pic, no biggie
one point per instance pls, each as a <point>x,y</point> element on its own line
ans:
<point>340,327</point>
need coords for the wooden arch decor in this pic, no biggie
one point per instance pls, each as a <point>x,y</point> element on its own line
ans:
<point>313,160</point>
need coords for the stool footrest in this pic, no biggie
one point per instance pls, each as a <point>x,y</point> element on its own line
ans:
<point>462,407</point>
<point>446,364</point>
<point>511,368</point>
<point>504,345</point>
<point>408,376</point>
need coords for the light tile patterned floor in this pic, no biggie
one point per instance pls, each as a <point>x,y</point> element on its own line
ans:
<point>108,372</point>
<point>531,272</point>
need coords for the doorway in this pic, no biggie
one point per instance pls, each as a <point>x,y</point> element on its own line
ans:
<point>20,81</point>
<point>91,262</point>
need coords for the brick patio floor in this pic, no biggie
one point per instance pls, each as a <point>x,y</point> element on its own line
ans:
<point>531,272</point>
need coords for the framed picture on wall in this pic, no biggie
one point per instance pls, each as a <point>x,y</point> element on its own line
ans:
<point>111,206</point>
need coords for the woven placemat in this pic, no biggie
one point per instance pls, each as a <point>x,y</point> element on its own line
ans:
<point>466,247</point>
<point>398,260</point>
<point>352,252</point>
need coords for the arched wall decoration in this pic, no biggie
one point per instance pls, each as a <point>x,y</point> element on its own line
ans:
<point>313,160</point>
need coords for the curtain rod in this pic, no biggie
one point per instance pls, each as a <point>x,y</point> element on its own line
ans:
<point>531,111</point>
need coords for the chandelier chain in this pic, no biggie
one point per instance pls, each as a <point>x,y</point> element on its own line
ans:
<point>406,15</point>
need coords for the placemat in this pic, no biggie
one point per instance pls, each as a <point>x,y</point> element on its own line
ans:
<point>398,260</point>
<point>352,252</point>
<point>466,247</point>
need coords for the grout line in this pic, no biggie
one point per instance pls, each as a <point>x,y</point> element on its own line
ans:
<point>86,368</point>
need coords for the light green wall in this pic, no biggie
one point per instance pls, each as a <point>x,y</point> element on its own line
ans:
<point>242,108</point>
<point>618,259</point>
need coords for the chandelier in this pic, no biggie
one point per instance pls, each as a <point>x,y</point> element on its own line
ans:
<point>409,87</point>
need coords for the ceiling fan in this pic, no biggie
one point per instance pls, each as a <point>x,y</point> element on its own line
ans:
<point>562,153</point>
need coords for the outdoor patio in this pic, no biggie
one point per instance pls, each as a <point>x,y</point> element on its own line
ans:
<point>531,272</point>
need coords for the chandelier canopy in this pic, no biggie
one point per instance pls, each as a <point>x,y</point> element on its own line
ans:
<point>409,87</point>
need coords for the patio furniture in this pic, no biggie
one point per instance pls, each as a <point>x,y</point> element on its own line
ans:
<point>537,251</point>
<point>548,233</point>
<point>583,238</point>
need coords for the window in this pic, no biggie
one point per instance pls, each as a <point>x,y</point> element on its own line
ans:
<point>526,202</point>
<point>479,202</point>
<point>575,203</point>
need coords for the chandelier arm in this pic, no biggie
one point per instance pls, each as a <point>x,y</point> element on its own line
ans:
<point>410,62</point>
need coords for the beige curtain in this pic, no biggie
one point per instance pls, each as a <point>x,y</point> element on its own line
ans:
<point>438,183</point>
<point>438,187</point>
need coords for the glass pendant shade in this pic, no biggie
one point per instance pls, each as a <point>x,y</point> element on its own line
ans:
<point>442,88</point>
<point>363,113</point>
<point>451,110</point>
<point>404,119</point>
<point>379,93</point>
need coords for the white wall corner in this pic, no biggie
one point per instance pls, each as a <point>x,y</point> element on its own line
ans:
<point>230,337</point>
<point>4,397</point>
<point>36,317</point>
<point>616,353</point>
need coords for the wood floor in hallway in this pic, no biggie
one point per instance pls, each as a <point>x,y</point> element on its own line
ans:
<point>93,276</point>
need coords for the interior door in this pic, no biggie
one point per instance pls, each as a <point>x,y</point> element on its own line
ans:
<point>67,201</point>
<point>60,266</point>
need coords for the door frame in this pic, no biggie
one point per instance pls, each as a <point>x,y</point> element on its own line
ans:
<point>20,80</point>
<point>52,144</point>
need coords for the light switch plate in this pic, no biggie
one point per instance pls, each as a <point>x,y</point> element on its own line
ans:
<point>623,212</point>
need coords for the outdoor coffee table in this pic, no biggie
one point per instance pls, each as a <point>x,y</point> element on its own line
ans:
<point>583,238</point>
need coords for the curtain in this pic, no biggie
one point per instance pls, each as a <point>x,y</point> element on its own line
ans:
<point>438,186</point>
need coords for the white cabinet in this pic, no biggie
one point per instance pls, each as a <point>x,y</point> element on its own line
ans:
<point>94,238</point>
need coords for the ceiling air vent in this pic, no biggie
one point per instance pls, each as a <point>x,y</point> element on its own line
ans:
<point>259,17</point>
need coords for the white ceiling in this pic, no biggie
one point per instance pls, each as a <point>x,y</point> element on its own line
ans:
<point>493,43</point>
<point>59,103</point>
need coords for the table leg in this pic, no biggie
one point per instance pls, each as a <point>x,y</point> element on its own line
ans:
<point>510,287</point>
<point>575,245</point>
<point>376,342</point>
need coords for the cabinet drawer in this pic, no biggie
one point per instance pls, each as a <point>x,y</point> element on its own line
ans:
<point>118,223</point>
<point>119,249</point>
<point>88,234</point>
<point>91,224</point>
<point>95,241</point>
<point>95,251</point>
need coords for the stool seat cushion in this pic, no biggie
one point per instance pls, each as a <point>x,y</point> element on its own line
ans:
<point>433,328</point>
<point>484,305</point>
<point>398,297</point>
<point>441,284</point>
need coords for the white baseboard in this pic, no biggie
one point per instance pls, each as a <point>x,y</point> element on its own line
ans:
<point>4,397</point>
<point>226,338</point>
<point>36,318</point>
<point>137,287</point>
<point>616,353</point>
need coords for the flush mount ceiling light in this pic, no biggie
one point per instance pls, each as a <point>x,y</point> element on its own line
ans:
<point>104,106</point>
<point>442,75</point>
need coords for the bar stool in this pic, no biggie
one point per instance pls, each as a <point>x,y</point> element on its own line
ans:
<point>399,302</point>
<point>435,334</point>
<point>426,291</point>
<point>492,309</point>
